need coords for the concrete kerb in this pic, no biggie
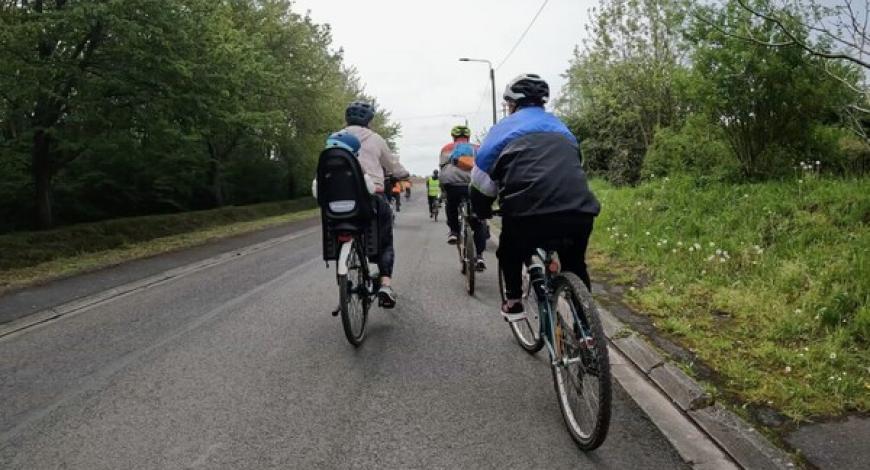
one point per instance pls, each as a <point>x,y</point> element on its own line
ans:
<point>737,438</point>
<point>732,434</point>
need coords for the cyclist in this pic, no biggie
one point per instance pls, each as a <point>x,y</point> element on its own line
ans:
<point>533,163</point>
<point>396,193</point>
<point>377,160</point>
<point>433,191</point>
<point>456,161</point>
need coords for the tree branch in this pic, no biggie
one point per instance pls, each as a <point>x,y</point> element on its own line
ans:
<point>793,40</point>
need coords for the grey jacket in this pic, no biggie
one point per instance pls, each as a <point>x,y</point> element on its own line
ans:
<point>376,158</point>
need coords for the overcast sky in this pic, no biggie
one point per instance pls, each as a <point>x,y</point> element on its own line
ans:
<point>407,50</point>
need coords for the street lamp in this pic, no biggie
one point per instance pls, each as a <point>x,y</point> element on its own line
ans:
<point>491,79</point>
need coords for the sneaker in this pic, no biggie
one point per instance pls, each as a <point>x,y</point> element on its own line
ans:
<point>452,238</point>
<point>480,264</point>
<point>386,297</point>
<point>513,314</point>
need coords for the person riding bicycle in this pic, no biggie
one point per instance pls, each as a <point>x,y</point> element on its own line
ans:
<point>396,193</point>
<point>532,162</point>
<point>456,161</point>
<point>433,191</point>
<point>377,160</point>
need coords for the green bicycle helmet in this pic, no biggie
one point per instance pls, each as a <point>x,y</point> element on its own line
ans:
<point>460,131</point>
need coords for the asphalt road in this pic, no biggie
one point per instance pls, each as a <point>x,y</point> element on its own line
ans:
<point>241,365</point>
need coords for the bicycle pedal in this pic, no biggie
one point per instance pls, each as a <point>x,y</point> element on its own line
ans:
<point>336,312</point>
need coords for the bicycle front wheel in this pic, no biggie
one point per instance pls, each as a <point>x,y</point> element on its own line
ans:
<point>526,332</point>
<point>354,295</point>
<point>581,369</point>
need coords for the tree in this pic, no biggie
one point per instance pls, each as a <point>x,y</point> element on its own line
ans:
<point>766,99</point>
<point>623,84</point>
<point>126,107</point>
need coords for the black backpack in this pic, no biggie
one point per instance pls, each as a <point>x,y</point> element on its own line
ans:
<point>345,203</point>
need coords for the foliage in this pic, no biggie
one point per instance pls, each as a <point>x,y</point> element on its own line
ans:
<point>766,282</point>
<point>672,80</point>
<point>696,148</point>
<point>765,99</point>
<point>624,83</point>
<point>122,107</point>
<point>27,249</point>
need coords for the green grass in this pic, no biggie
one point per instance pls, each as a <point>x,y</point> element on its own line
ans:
<point>767,283</point>
<point>28,258</point>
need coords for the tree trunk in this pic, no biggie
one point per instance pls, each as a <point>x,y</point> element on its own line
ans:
<point>41,162</point>
<point>217,192</point>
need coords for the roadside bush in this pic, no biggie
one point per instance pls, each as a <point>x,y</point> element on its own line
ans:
<point>840,151</point>
<point>696,149</point>
<point>24,249</point>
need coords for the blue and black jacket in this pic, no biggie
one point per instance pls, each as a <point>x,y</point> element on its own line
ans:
<point>532,162</point>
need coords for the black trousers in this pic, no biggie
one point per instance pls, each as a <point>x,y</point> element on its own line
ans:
<point>520,236</point>
<point>386,252</point>
<point>455,194</point>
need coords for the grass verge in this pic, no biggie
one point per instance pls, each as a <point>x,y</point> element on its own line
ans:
<point>28,258</point>
<point>767,283</point>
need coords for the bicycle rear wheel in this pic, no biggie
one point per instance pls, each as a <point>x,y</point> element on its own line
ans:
<point>354,295</point>
<point>470,258</point>
<point>526,332</point>
<point>581,373</point>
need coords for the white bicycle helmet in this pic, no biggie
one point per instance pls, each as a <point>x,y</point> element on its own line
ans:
<point>527,88</point>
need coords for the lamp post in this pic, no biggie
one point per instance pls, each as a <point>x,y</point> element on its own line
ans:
<point>491,79</point>
<point>461,116</point>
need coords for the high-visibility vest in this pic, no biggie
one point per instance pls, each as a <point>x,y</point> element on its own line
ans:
<point>434,187</point>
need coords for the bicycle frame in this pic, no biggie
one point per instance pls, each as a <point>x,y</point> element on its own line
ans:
<point>347,243</point>
<point>539,280</point>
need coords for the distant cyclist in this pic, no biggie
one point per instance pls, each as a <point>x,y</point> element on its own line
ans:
<point>377,160</point>
<point>433,191</point>
<point>396,193</point>
<point>532,162</point>
<point>456,161</point>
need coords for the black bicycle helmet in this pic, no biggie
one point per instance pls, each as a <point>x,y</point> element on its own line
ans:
<point>359,113</point>
<point>527,89</point>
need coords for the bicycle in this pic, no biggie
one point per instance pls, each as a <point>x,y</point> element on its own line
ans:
<point>466,247</point>
<point>435,209</point>
<point>560,306</point>
<point>358,285</point>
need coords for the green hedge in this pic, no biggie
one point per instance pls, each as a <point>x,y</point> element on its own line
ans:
<point>23,249</point>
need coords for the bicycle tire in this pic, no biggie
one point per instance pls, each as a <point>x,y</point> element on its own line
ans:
<point>470,259</point>
<point>527,333</point>
<point>354,303</point>
<point>593,361</point>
